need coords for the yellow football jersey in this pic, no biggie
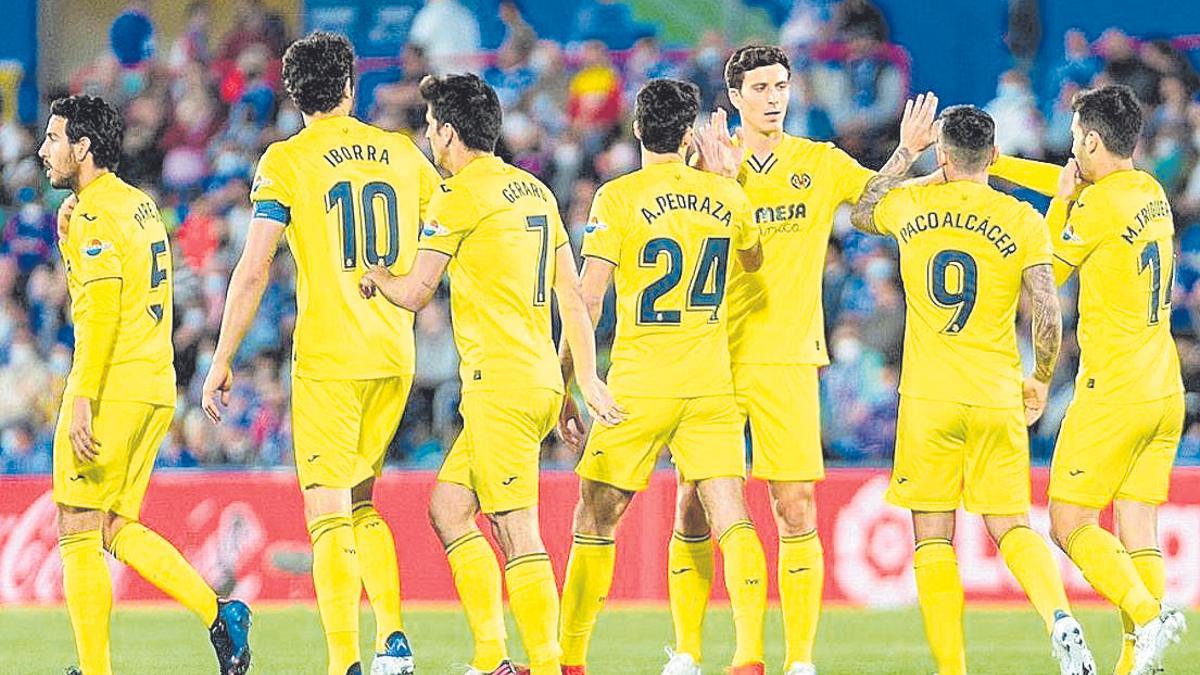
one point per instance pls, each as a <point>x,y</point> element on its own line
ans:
<point>116,232</point>
<point>775,314</point>
<point>351,195</point>
<point>670,230</point>
<point>963,249</point>
<point>1120,235</point>
<point>501,227</point>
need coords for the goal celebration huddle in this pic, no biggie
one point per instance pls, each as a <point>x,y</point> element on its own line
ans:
<point>715,250</point>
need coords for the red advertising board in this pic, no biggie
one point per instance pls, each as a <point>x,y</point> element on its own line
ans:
<point>245,532</point>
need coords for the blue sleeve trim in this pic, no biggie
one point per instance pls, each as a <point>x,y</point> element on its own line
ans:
<point>273,210</point>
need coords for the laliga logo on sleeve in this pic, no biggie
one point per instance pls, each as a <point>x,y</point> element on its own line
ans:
<point>1069,235</point>
<point>593,225</point>
<point>95,247</point>
<point>801,181</point>
<point>433,228</point>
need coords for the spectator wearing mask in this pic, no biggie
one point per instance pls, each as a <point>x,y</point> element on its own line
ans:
<point>1019,124</point>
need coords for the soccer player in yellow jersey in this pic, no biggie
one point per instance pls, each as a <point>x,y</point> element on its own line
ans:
<point>120,394</point>
<point>777,341</point>
<point>498,230</point>
<point>665,234</point>
<point>967,255</point>
<point>347,196</point>
<point>1112,224</point>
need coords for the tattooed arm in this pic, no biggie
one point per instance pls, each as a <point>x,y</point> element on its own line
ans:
<point>1038,284</point>
<point>862,214</point>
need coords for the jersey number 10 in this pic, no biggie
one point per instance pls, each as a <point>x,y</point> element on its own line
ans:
<point>341,196</point>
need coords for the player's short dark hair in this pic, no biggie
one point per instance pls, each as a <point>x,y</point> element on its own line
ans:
<point>665,110</point>
<point>316,69</point>
<point>92,118</point>
<point>1113,112</point>
<point>747,58</point>
<point>968,136</point>
<point>466,103</point>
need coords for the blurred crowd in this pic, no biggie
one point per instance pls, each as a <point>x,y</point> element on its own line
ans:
<point>201,107</point>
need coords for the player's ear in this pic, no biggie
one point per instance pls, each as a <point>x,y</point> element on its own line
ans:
<point>80,149</point>
<point>687,138</point>
<point>995,155</point>
<point>637,130</point>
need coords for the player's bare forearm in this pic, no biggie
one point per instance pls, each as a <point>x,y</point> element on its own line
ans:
<point>408,292</point>
<point>1047,319</point>
<point>246,288</point>
<point>862,214</point>
<point>577,349</point>
<point>899,163</point>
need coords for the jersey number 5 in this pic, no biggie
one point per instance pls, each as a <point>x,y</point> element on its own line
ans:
<point>341,196</point>
<point>708,281</point>
<point>158,275</point>
<point>961,298</point>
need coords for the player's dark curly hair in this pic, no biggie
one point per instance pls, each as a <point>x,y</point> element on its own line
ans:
<point>316,69</point>
<point>466,103</point>
<point>968,136</point>
<point>747,58</point>
<point>1113,112</point>
<point>665,110</point>
<point>91,118</point>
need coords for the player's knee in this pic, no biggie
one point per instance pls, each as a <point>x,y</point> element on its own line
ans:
<point>998,526</point>
<point>689,512</point>
<point>363,493</point>
<point>73,520</point>
<point>112,525</point>
<point>795,508</point>
<point>1066,518</point>
<point>599,509</point>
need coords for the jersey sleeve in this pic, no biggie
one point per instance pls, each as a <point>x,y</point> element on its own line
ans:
<point>851,176</point>
<point>747,232</point>
<point>892,210</point>
<point>602,234</point>
<point>271,192</point>
<point>451,219</point>
<point>101,247</point>
<point>431,181</point>
<point>1040,177</point>
<point>1083,232</point>
<point>1037,239</point>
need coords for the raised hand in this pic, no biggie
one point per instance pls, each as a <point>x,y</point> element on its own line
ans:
<point>1070,180</point>
<point>917,125</point>
<point>719,152</point>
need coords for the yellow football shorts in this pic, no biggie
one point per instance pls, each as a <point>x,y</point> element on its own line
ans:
<point>1117,451</point>
<point>497,453</point>
<point>341,428</point>
<point>130,435</point>
<point>705,435</point>
<point>782,404</point>
<point>950,453</point>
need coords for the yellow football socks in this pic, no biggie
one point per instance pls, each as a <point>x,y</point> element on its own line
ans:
<point>746,583</point>
<point>533,597</point>
<point>88,592</point>
<point>801,582</point>
<point>689,583</point>
<point>380,572</point>
<point>1109,569</point>
<point>477,579</point>
<point>1029,559</point>
<point>940,594</point>
<point>589,577</point>
<point>338,583</point>
<point>1150,567</point>
<point>163,565</point>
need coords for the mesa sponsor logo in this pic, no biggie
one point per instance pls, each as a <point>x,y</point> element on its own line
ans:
<point>775,214</point>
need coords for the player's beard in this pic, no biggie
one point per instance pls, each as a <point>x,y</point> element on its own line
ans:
<point>66,179</point>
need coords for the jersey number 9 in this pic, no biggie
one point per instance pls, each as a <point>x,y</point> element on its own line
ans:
<point>341,196</point>
<point>708,281</point>
<point>961,298</point>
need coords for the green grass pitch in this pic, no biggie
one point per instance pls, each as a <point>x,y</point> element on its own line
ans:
<point>288,641</point>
